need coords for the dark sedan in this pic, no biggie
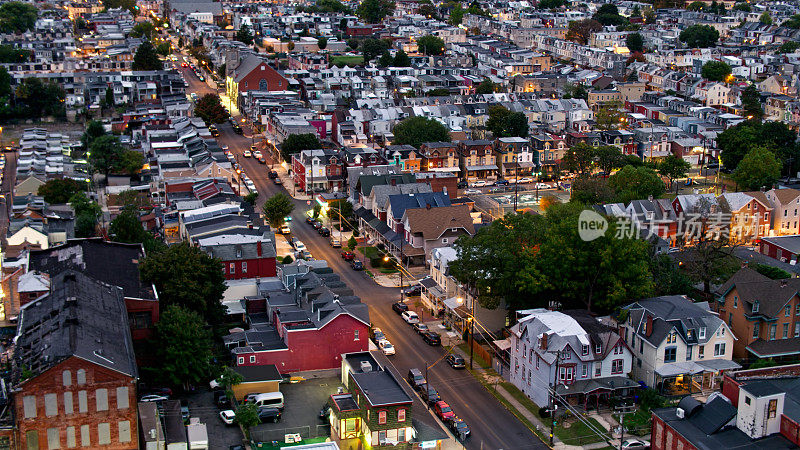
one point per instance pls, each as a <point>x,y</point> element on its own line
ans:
<point>455,361</point>
<point>324,231</point>
<point>357,264</point>
<point>432,338</point>
<point>399,307</point>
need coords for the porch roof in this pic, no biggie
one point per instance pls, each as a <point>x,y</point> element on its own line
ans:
<point>588,386</point>
<point>485,167</point>
<point>692,367</point>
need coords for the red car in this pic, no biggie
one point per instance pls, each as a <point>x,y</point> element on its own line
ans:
<point>348,256</point>
<point>443,410</point>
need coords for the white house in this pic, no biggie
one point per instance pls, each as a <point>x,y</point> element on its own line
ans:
<point>679,346</point>
<point>583,359</point>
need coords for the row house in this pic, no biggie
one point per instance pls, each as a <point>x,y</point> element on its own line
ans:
<point>550,150</point>
<point>439,157</point>
<point>477,160</point>
<point>514,156</point>
<point>318,170</point>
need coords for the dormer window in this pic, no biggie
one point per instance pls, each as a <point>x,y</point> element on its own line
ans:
<point>585,350</point>
<point>755,306</point>
<point>598,348</point>
<point>672,338</point>
<point>702,332</point>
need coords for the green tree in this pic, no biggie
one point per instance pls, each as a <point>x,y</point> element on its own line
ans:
<point>11,54</point>
<point>130,162</point>
<point>129,5</point>
<point>438,92</point>
<point>247,417</point>
<point>608,158</point>
<point>276,208</point>
<point>456,15</point>
<point>431,45</point>
<point>772,272</point>
<point>581,31</point>
<point>105,153</point>
<point>287,259</point>
<point>352,243</point>
<point>475,9</point>
<point>789,47</point>
<point>59,190</point>
<point>39,98</point>
<point>94,130</point>
<point>608,15</point>
<point>716,71</point>
<point>210,109</point>
<point>146,58</point>
<point>575,91</point>
<point>374,11</point>
<point>143,30</point>
<point>579,158</point>
<point>186,276</point>
<point>550,4</point>
<point>742,6</point>
<point>792,22</point>
<point>5,85</point>
<point>352,43</point>
<point>427,9</point>
<point>759,168</point>
<point>401,59</point>
<point>699,36</point>
<point>751,101</point>
<point>735,142</point>
<point>418,129</point>
<point>635,42</point>
<point>649,16</point>
<point>696,6</point>
<point>322,42</point>
<point>765,18</point>
<point>164,49</point>
<point>244,35</point>
<point>486,87</point>
<point>635,183</point>
<point>591,191</point>
<point>504,123</point>
<point>609,116</point>
<point>109,99</point>
<point>17,17</point>
<point>673,167</point>
<point>127,227</point>
<point>371,48</point>
<point>668,278</point>
<point>385,60</point>
<point>251,198</point>
<point>346,209</point>
<point>86,215</point>
<point>183,347</point>
<point>296,143</point>
<point>229,378</point>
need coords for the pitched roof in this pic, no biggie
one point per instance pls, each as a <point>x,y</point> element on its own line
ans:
<point>433,222</point>
<point>79,317</point>
<point>673,312</point>
<point>771,295</point>
<point>399,203</point>
<point>785,196</point>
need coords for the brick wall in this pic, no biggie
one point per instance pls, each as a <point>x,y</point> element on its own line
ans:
<point>72,410</point>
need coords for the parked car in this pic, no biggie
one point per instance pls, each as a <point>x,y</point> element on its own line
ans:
<point>285,229</point>
<point>258,154</point>
<point>455,361</point>
<point>399,307</point>
<point>261,160</point>
<point>501,183</point>
<point>543,186</point>
<point>410,317</point>
<point>277,181</point>
<point>415,378</point>
<point>348,255</point>
<point>247,153</point>
<point>429,394</point>
<point>377,334</point>
<point>471,192</point>
<point>477,184</point>
<point>443,410</point>
<point>273,174</point>
<point>324,231</point>
<point>299,246</point>
<point>158,391</point>
<point>462,184</point>
<point>269,415</point>
<point>357,264</point>
<point>386,347</point>
<point>324,412</point>
<point>306,255</point>
<point>221,399</point>
<point>635,443</point>
<point>227,416</point>
<point>459,428</point>
<point>525,180</point>
<point>420,328</point>
<point>432,338</point>
<point>317,224</point>
<point>310,220</point>
<point>185,410</point>
<point>153,398</point>
<point>413,290</point>
<point>251,397</point>
<point>237,129</point>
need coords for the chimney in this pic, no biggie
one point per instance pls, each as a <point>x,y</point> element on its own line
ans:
<point>543,341</point>
<point>393,181</point>
<point>428,206</point>
<point>649,326</point>
<point>258,248</point>
<point>784,282</point>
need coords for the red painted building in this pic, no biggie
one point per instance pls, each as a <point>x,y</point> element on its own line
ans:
<point>322,168</point>
<point>254,74</point>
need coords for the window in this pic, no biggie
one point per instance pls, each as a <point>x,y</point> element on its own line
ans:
<point>701,352</point>
<point>669,354</point>
<point>244,267</point>
<point>530,356</point>
<point>585,350</point>
<point>616,366</point>
<point>382,417</point>
<point>797,329</point>
<point>71,443</point>
<point>730,319</point>
<point>772,329</point>
<point>401,435</point>
<point>445,241</point>
<point>537,362</point>
<point>672,337</point>
<point>33,439</point>
<point>598,348</point>
<point>689,349</point>
<point>639,362</point>
<point>797,310</point>
<point>241,360</point>
<point>66,378</point>
<point>755,306</point>
<point>86,440</point>
<point>83,402</point>
<point>735,301</point>
<point>598,369</point>
<point>101,397</point>
<point>139,320</point>
<point>702,332</point>
<point>719,349</point>
<point>746,400</point>
<point>122,397</point>
<point>722,331</point>
<point>401,415</point>
<point>787,312</point>
<point>81,377</point>
<point>103,433</point>
<point>29,406</point>
<point>381,436</point>
<point>772,409</point>
<point>785,330</point>
<point>50,405</point>
<point>232,268</point>
<point>124,431</point>
<point>252,359</point>
<point>567,355</point>
<point>53,438</point>
<point>68,405</point>
<point>756,329</point>
<point>584,371</point>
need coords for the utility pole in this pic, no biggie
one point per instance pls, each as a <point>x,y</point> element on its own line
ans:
<point>402,294</point>
<point>472,333</point>
<point>553,406</point>
<point>622,410</point>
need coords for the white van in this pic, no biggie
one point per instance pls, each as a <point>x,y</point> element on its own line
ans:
<point>269,400</point>
<point>335,242</point>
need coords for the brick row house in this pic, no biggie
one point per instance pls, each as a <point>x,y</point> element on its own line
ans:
<point>321,170</point>
<point>243,254</point>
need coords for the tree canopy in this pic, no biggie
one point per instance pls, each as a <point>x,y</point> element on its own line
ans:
<point>504,123</point>
<point>751,100</point>
<point>635,42</point>
<point>486,86</point>
<point>276,208</point>
<point>673,167</point>
<point>759,168</point>
<point>581,30</point>
<point>105,153</point>
<point>401,59</point>
<point>210,109</point>
<point>550,4</point>
<point>716,71</point>
<point>59,190</point>
<point>635,183</point>
<point>792,22</point>
<point>608,15</point>
<point>17,17</point>
<point>184,349</point>
<point>295,143</point>
<point>143,29</point>
<point>374,11</point>
<point>186,276</point>
<point>146,58</point>
<point>244,35</point>
<point>371,48</point>
<point>699,36</point>
<point>736,141</point>
<point>11,54</point>
<point>86,215</point>
<point>430,45</point>
<point>418,129</point>
<point>35,98</point>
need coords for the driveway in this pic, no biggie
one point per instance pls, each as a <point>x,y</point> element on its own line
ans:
<point>220,436</point>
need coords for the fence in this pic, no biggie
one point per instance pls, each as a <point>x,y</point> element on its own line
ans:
<point>265,433</point>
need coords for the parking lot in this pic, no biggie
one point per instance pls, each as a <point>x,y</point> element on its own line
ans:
<point>220,436</point>
<point>302,401</point>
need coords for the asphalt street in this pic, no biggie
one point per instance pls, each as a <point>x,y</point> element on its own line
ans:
<point>492,426</point>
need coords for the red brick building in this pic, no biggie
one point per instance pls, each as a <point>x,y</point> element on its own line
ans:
<point>322,169</point>
<point>254,74</point>
<point>243,256</point>
<point>75,371</point>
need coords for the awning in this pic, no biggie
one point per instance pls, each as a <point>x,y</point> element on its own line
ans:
<point>597,384</point>
<point>452,303</point>
<point>444,169</point>
<point>490,167</point>
<point>715,365</point>
<point>680,368</point>
<point>503,344</point>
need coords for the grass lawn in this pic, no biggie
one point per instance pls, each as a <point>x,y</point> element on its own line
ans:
<point>370,252</point>
<point>347,60</point>
<point>476,357</point>
<point>637,423</point>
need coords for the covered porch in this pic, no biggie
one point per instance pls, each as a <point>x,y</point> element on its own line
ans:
<point>485,172</point>
<point>690,377</point>
<point>599,392</point>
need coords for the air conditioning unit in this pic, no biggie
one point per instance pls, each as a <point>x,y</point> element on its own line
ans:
<point>679,413</point>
